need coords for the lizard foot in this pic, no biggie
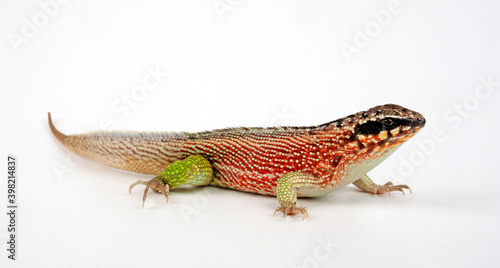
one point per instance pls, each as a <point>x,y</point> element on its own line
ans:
<point>366,184</point>
<point>390,187</point>
<point>292,210</point>
<point>156,184</point>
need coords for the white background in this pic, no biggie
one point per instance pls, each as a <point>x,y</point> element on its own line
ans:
<point>255,63</point>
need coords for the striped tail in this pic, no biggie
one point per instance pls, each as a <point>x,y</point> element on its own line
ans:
<point>141,152</point>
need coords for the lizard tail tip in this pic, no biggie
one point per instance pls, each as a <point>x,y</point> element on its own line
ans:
<point>59,136</point>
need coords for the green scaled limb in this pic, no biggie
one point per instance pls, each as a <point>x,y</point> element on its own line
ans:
<point>287,192</point>
<point>194,170</point>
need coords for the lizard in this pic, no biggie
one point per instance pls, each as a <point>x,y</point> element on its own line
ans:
<point>286,162</point>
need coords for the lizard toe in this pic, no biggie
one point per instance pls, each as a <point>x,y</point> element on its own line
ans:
<point>292,210</point>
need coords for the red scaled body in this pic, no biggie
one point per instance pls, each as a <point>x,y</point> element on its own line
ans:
<point>252,159</point>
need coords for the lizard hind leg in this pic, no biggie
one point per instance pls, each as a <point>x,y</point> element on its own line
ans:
<point>194,170</point>
<point>287,192</point>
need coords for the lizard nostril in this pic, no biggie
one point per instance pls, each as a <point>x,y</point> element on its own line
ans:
<point>420,121</point>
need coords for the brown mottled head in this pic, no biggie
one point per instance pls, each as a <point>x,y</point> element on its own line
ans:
<point>386,123</point>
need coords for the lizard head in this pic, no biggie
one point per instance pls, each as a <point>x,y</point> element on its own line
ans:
<point>367,138</point>
<point>386,126</point>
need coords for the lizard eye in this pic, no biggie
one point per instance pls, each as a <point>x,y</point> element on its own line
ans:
<point>387,122</point>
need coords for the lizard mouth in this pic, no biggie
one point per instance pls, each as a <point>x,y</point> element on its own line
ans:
<point>417,123</point>
<point>409,128</point>
<point>420,123</point>
<point>417,120</point>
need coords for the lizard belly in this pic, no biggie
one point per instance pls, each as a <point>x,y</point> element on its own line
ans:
<point>355,169</point>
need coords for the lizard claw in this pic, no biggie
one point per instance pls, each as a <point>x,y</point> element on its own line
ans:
<point>135,184</point>
<point>292,210</point>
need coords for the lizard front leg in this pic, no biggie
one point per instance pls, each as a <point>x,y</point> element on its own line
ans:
<point>366,184</point>
<point>194,170</point>
<point>287,192</point>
